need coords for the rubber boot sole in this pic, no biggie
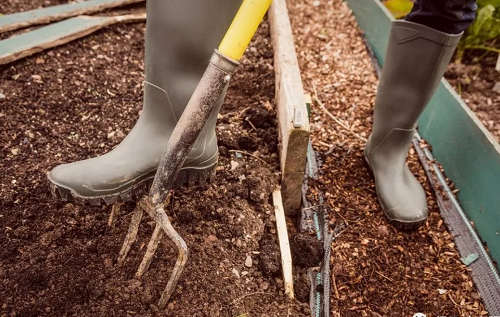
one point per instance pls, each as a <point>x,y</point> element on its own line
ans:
<point>134,192</point>
<point>402,225</point>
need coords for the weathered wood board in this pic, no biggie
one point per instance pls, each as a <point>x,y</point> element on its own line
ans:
<point>56,34</point>
<point>18,20</point>
<point>291,107</point>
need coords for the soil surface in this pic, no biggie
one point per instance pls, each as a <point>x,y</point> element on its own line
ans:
<point>13,6</point>
<point>474,79</point>
<point>80,100</point>
<point>377,270</point>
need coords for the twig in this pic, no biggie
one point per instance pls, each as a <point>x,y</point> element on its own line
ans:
<point>342,124</point>
<point>387,278</point>
<point>334,282</point>
<point>250,123</point>
<point>248,154</point>
<point>247,295</point>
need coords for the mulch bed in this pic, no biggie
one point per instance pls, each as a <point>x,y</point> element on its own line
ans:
<point>78,101</point>
<point>376,269</point>
<point>474,80</point>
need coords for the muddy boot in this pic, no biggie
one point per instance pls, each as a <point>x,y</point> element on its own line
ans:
<point>416,59</point>
<point>180,39</point>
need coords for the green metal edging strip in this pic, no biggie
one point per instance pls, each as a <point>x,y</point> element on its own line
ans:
<point>468,152</point>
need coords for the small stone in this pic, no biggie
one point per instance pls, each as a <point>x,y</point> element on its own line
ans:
<point>235,272</point>
<point>2,96</point>
<point>111,134</point>
<point>36,77</point>
<point>108,263</point>
<point>212,238</point>
<point>441,291</point>
<point>496,87</point>
<point>14,151</point>
<point>264,286</point>
<point>248,261</point>
<point>120,134</point>
<point>383,230</point>
<point>40,61</point>
<point>234,165</point>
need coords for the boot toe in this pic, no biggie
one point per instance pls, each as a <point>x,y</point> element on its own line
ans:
<point>407,215</point>
<point>403,201</point>
<point>65,176</point>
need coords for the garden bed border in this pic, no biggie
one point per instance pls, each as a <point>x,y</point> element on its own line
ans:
<point>468,152</point>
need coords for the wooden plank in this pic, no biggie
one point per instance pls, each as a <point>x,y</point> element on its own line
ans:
<point>56,34</point>
<point>468,152</point>
<point>18,20</point>
<point>286,254</point>
<point>291,107</point>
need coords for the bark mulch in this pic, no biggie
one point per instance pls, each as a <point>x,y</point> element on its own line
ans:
<point>376,269</point>
<point>474,80</point>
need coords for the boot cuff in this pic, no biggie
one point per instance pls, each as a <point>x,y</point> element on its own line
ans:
<point>405,31</point>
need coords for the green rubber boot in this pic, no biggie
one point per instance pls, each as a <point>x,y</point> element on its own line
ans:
<point>416,59</point>
<point>180,39</point>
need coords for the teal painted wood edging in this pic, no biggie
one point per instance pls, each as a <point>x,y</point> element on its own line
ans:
<point>14,21</point>
<point>468,152</point>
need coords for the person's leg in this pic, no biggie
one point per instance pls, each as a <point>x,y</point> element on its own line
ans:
<point>180,38</point>
<point>417,57</point>
<point>448,16</point>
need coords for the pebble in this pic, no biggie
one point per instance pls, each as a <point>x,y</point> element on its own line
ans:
<point>496,87</point>
<point>383,230</point>
<point>234,165</point>
<point>108,263</point>
<point>2,96</point>
<point>235,272</point>
<point>248,261</point>
<point>212,238</point>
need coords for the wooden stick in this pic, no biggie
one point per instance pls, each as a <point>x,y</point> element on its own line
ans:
<point>19,20</point>
<point>56,34</point>
<point>286,254</point>
<point>291,108</point>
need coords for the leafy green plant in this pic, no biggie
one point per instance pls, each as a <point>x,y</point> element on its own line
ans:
<point>399,8</point>
<point>484,33</point>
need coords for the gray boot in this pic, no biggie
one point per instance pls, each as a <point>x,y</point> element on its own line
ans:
<point>180,38</point>
<point>416,59</point>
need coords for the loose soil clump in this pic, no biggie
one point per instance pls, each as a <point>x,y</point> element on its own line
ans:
<point>80,100</point>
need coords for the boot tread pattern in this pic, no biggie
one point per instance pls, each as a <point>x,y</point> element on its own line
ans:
<point>186,177</point>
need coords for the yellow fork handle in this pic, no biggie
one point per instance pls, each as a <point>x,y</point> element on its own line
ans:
<point>243,28</point>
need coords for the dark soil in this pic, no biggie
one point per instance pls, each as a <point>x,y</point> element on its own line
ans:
<point>78,101</point>
<point>474,80</point>
<point>377,270</point>
<point>13,6</point>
